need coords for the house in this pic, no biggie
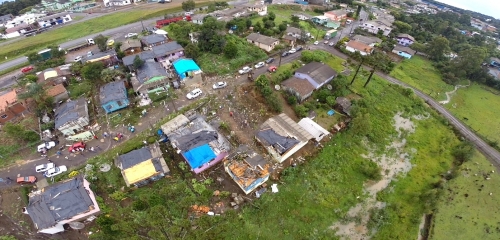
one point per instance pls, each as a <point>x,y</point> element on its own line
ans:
<point>55,76</point>
<point>176,123</point>
<point>317,131</point>
<point>405,39</point>
<point>300,88</point>
<point>321,20</point>
<point>185,67</point>
<point>58,92</point>
<point>131,46</point>
<point>56,5</point>
<point>316,73</point>
<point>72,117</point>
<point>62,203</point>
<point>168,52</point>
<point>282,137</point>
<point>17,30</point>
<point>289,40</point>
<point>108,58</point>
<point>370,41</point>
<point>142,166</point>
<point>144,56</point>
<point>357,46</point>
<point>113,96</point>
<point>28,18</point>
<point>114,3</point>
<point>376,26</point>
<point>53,20</point>
<point>259,8</point>
<point>402,51</point>
<point>199,144</point>
<point>154,40</point>
<point>11,107</point>
<point>332,24</point>
<point>294,32</point>
<point>5,18</point>
<point>343,104</point>
<point>263,42</point>
<point>151,77</point>
<point>247,168</point>
<point>198,18</point>
<point>302,16</point>
<point>336,15</point>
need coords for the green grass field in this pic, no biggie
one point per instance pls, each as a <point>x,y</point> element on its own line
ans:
<point>420,73</point>
<point>479,107</point>
<point>466,210</point>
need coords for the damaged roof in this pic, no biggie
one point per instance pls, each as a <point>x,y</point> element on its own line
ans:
<point>113,91</point>
<point>71,111</point>
<point>149,70</point>
<point>282,132</point>
<point>246,167</point>
<point>153,38</point>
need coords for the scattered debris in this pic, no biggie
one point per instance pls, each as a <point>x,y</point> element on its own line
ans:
<point>274,188</point>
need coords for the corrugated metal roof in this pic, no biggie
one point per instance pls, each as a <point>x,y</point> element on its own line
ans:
<point>70,111</point>
<point>113,91</point>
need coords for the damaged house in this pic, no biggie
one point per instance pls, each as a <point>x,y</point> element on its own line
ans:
<point>247,168</point>
<point>198,142</point>
<point>72,118</point>
<point>282,137</point>
<point>62,203</point>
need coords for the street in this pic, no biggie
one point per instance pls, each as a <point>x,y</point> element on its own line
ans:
<point>363,15</point>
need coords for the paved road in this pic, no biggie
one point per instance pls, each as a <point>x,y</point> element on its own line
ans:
<point>363,15</point>
<point>492,154</point>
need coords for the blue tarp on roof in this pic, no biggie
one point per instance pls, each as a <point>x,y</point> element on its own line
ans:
<point>198,156</point>
<point>183,65</point>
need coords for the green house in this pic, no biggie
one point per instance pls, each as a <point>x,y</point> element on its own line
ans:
<point>332,24</point>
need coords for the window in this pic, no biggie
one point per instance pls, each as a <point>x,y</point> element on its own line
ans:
<point>4,116</point>
<point>119,103</point>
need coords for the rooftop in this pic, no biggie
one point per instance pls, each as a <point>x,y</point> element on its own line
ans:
<point>70,111</point>
<point>256,37</point>
<point>166,49</point>
<point>113,91</point>
<point>359,46</point>
<point>301,86</point>
<point>319,72</point>
<point>154,38</point>
<point>56,90</point>
<point>404,35</point>
<point>100,55</point>
<point>174,124</point>
<point>366,40</point>
<point>129,60</point>
<point>293,30</point>
<point>7,99</point>
<point>247,167</point>
<point>404,49</point>
<point>338,12</point>
<point>282,133</point>
<point>149,70</point>
<point>130,43</point>
<point>344,103</point>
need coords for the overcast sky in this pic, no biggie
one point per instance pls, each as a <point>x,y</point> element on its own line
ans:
<point>487,7</point>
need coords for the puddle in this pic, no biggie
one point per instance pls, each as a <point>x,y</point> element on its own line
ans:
<point>392,165</point>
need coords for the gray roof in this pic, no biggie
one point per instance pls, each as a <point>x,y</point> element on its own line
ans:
<point>344,103</point>
<point>59,202</point>
<point>130,43</point>
<point>293,30</point>
<point>319,72</point>
<point>168,48</point>
<point>284,131</point>
<point>408,50</point>
<point>251,157</point>
<point>133,158</point>
<point>199,16</point>
<point>71,111</point>
<point>150,69</point>
<point>6,18</point>
<point>111,52</point>
<point>366,40</point>
<point>153,38</point>
<point>113,91</point>
<point>404,35</point>
<point>53,16</point>
<point>338,12</point>
<point>261,38</point>
<point>146,55</point>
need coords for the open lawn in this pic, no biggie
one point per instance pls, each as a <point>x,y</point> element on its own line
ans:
<point>419,73</point>
<point>74,31</point>
<point>479,107</point>
<point>466,209</point>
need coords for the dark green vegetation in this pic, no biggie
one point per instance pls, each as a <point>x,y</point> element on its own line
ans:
<point>17,7</point>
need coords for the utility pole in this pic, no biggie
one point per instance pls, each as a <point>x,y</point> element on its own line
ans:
<point>357,70</point>
<point>143,29</point>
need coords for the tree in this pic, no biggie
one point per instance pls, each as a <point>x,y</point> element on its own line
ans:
<point>271,16</point>
<point>437,48</point>
<point>419,47</point>
<point>282,27</point>
<point>108,75</point>
<point>188,5</point>
<point>402,27</point>
<point>2,30</point>
<point>37,93</point>
<point>209,39</point>
<point>358,11</point>
<point>20,132</point>
<point>28,79</point>
<point>294,19</point>
<point>92,71</point>
<point>138,62</point>
<point>101,42</point>
<point>34,57</point>
<point>192,51</point>
<point>231,50</point>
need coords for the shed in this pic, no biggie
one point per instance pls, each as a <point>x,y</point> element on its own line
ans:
<point>317,131</point>
<point>185,66</point>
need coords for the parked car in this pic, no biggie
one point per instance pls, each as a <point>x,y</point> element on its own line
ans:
<point>55,171</point>
<point>299,48</point>
<point>89,53</point>
<point>129,35</point>
<point>219,85</point>
<point>269,60</point>
<point>27,69</point>
<point>194,94</point>
<point>77,147</point>
<point>325,42</point>
<point>331,44</point>
<point>285,54</point>
<point>78,58</point>
<point>27,179</point>
<point>293,50</point>
<point>110,42</point>
<point>44,167</point>
<point>272,69</point>
<point>316,43</point>
<point>46,146</point>
<point>259,65</point>
<point>244,70</point>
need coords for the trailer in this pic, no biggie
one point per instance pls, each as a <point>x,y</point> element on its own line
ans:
<point>89,42</point>
<point>165,22</point>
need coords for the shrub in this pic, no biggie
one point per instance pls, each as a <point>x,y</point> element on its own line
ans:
<point>140,205</point>
<point>301,111</point>
<point>24,194</point>
<point>118,196</point>
<point>371,170</point>
<point>291,99</point>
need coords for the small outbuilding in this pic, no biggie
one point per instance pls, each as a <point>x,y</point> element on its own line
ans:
<point>317,131</point>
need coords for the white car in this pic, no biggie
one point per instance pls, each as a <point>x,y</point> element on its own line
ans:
<point>45,146</point>
<point>316,43</point>
<point>293,50</point>
<point>78,58</point>
<point>331,44</point>
<point>194,94</point>
<point>325,42</point>
<point>129,35</point>
<point>244,70</point>
<point>55,171</point>
<point>44,167</point>
<point>90,53</point>
<point>259,65</point>
<point>219,85</point>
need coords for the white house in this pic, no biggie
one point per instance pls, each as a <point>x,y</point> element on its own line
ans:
<point>198,18</point>
<point>378,25</point>
<point>282,137</point>
<point>56,19</point>
<point>357,46</point>
<point>317,131</point>
<point>264,42</point>
<point>29,18</point>
<point>260,9</point>
<point>110,3</point>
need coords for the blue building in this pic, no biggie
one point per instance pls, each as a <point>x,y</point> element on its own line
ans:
<point>185,67</point>
<point>113,96</point>
<point>405,52</point>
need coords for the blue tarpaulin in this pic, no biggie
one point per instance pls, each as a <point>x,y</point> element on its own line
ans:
<point>198,156</point>
<point>331,112</point>
<point>183,66</point>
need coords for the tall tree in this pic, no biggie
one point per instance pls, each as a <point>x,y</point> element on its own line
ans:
<point>188,5</point>
<point>101,42</point>
<point>92,71</point>
<point>138,62</point>
<point>437,48</point>
<point>37,93</point>
<point>231,50</point>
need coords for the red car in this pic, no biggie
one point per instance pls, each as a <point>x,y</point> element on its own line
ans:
<point>27,69</point>
<point>27,179</point>
<point>272,69</point>
<point>79,146</point>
